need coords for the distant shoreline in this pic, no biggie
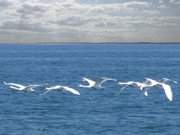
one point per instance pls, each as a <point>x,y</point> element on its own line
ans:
<point>91,43</point>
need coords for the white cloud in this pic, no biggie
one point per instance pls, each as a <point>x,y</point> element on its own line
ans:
<point>70,20</point>
<point>137,3</point>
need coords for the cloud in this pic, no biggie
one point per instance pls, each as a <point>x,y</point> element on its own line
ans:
<point>137,4</point>
<point>70,20</point>
<point>23,26</point>
<point>162,4</point>
<point>4,3</point>
<point>73,21</point>
<point>30,9</point>
<point>177,2</point>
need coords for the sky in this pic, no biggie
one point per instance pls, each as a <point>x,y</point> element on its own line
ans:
<point>32,21</point>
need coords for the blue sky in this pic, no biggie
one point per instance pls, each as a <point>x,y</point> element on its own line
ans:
<point>89,21</point>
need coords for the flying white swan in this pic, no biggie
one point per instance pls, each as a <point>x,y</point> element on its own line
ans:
<point>133,84</point>
<point>60,87</point>
<point>149,83</point>
<point>95,84</point>
<point>20,87</point>
<point>167,88</point>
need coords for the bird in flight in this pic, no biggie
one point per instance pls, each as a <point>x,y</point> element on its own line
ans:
<point>63,88</point>
<point>166,87</point>
<point>20,87</point>
<point>95,84</point>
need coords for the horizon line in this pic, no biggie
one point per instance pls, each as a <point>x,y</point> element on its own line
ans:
<point>56,43</point>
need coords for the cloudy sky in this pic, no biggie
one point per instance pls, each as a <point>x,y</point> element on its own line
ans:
<point>89,20</point>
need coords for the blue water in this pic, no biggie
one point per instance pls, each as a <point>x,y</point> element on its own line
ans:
<point>95,112</point>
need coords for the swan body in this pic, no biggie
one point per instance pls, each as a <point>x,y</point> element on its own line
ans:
<point>20,87</point>
<point>149,83</point>
<point>167,88</point>
<point>95,84</point>
<point>134,84</point>
<point>65,88</point>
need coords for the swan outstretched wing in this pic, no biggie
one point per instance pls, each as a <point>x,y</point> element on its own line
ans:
<point>14,84</point>
<point>168,80</point>
<point>127,83</point>
<point>74,91</point>
<point>105,79</point>
<point>34,85</point>
<point>89,81</point>
<point>168,91</point>
<point>48,89</point>
<point>53,87</point>
<point>16,88</point>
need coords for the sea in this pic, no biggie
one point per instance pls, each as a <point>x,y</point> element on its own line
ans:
<point>105,111</point>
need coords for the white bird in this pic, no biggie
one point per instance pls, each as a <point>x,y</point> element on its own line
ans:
<point>60,87</point>
<point>167,88</point>
<point>149,84</point>
<point>133,84</point>
<point>95,84</point>
<point>20,87</point>
<point>126,84</point>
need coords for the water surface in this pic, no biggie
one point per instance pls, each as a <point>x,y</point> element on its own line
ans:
<point>95,112</point>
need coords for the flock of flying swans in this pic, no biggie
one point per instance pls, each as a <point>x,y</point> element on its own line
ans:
<point>144,86</point>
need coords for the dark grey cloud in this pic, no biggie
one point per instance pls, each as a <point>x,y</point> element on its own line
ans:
<point>4,3</point>
<point>28,9</point>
